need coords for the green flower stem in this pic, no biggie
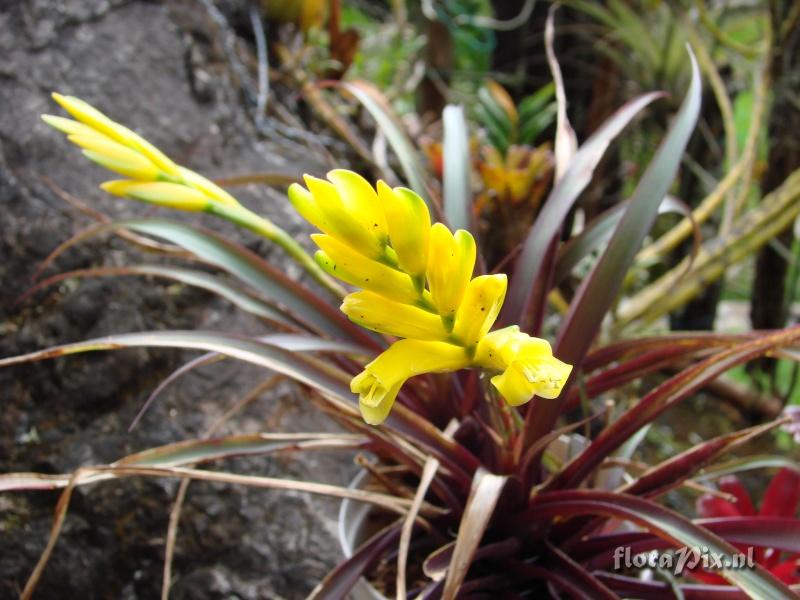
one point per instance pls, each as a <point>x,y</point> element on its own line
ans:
<point>244,217</point>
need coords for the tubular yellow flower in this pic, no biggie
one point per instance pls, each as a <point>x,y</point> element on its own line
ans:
<point>338,222</point>
<point>479,308</point>
<point>377,386</point>
<point>451,259</point>
<point>342,261</point>
<point>115,157</point>
<point>528,365</point>
<point>393,318</point>
<point>409,224</point>
<point>161,193</point>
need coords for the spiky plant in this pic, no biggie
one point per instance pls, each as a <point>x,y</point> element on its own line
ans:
<point>483,478</point>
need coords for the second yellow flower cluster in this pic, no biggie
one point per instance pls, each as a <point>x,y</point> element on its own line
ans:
<point>152,176</point>
<point>416,283</point>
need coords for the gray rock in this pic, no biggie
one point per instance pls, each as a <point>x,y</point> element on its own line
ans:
<point>159,68</point>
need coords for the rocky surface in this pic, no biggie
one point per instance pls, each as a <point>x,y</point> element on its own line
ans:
<point>162,69</point>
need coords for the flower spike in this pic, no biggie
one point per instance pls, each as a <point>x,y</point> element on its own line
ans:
<point>153,177</point>
<point>416,284</point>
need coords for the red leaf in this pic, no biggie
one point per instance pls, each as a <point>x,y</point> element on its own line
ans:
<point>709,506</point>
<point>788,571</point>
<point>730,484</point>
<point>782,495</point>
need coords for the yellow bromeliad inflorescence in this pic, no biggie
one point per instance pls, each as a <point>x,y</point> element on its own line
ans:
<point>154,178</point>
<point>415,278</point>
<point>416,283</point>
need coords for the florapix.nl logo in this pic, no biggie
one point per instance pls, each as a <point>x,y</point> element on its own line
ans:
<point>682,559</point>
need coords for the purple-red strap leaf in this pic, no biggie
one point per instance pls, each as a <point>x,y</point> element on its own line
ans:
<point>673,472</point>
<point>576,579</point>
<point>338,583</point>
<point>529,265</point>
<point>782,534</point>
<point>598,291</point>
<point>630,587</point>
<point>665,523</point>
<point>665,395</point>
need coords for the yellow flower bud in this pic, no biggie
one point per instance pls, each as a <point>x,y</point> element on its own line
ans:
<point>115,157</point>
<point>451,260</point>
<point>479,308</point>
<point>161,193</point>
<point>89,115</point>
<point>339,222</point>
<point>393,318</point>
<point>304,203</point>
<point>69,126</point>
<point>208,187</point>
<point>343,262</point>
<point>409,225</point>
<point>381,380</point>
<point>360,200</point>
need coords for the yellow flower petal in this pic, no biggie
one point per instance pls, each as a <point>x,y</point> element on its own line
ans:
<point>479,308</point>
<point>374,401</point>
<point>304,203</point>
<point>451,259</point>
<point>381,380</point>
<point>500,348</point>
<point>407,358</point>
<point>87,114</point>
<point>409,224</point>
<point>338,222</point>
<point>170,195</point>
<point>361,201</point>
<point>513,386</point>
<point>393,318</point>
<point>115,156</point>
<point>375,415</point>
<point>544,376</point>
<point>343,262</point>
<point>149,150</point>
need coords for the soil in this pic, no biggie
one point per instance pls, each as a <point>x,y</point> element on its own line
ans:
<point>162,68</point>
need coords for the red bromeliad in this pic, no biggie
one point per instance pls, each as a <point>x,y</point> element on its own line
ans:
<point>781,499</point>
